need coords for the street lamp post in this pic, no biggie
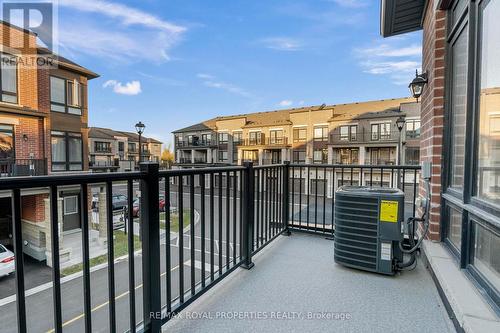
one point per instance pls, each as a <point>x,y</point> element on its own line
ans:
<point>400,123</point>
<point>140,127</point>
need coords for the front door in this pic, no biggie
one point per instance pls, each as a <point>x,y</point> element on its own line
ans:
<point>71,211</point>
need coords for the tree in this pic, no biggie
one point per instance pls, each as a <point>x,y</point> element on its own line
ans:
<point>167,157</point>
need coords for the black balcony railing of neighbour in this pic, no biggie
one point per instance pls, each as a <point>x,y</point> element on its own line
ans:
<point>104,164</point>
<point>22,167</point>
<point>198,143</point>
<point>365,137</point>
<point>232,213</point>
<point>283,141</point>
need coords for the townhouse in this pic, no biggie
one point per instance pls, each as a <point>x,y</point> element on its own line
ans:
<point>43,131</point>
<point>357,133</point>
<point>111,150</point>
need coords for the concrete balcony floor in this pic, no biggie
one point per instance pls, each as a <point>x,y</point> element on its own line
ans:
<point>297,275</point>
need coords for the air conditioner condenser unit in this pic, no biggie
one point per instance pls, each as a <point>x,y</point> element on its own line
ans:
<point>368,228</point>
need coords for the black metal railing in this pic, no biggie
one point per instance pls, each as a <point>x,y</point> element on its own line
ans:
<point>364,137</point>
<point>312,190</point>
<point>104,164</point>
<point>196,143</point>
<point>261,141</point>
<point>212,222</point>
<point>23,167</point>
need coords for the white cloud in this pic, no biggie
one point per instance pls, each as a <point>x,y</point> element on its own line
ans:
<point>281,43</point>
<point>286,102</point>
<point>127,15</point>
<point>126,34</point>
<point>205,76</point>
<point>351,3</point>
<point>129,88</point>
<point>385,50</point>
<point>212,82</point>
<point>395,58</point>
<point>389,67</point>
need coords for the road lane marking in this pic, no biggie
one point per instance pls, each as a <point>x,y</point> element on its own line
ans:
<point>100,306</point>
<point>197,265</point>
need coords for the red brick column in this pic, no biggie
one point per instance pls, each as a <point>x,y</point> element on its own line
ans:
<point>432,116</point>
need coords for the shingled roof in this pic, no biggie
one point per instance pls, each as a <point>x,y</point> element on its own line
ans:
<point>68,64</point>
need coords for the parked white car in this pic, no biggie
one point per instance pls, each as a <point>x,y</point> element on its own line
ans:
<point>7,265</point>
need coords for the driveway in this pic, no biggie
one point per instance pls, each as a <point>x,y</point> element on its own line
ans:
<point>35,273</point>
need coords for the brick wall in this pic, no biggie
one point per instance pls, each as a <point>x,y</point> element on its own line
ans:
<point>32,207</point>
<point>432,116</point>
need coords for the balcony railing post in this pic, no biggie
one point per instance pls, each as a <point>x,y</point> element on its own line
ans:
<point>248,214</point>
<point>286,198</point>
<point>150,223</point>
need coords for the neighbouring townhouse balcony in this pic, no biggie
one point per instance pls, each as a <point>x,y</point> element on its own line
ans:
<point>193,144</point>
<point>252,250</point>
<point>115,164</point>
<point>364,137</point>
<point>185,160</point>
<point>23,167</point>
<point>265,142</point>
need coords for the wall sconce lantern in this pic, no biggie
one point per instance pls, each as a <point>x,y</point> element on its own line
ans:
<point>25,137</point>
<point>417,85</point>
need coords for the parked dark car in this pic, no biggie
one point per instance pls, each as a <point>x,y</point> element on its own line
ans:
<point>119,201</point>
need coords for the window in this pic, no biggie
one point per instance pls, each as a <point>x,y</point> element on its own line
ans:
<point>485,256</point>
<point>65,96</point>
<point>381,131</point>
<point>348,133</point>
<point>206,139</point>
<point>222,155</point>
<point>458,108</point>
<point>7,150</point>
<point>102,147</point>
<point>347,156</point>
<point>132,147</point>
<point>8,78</point>
<point>412,129</point>
<point>375,132</point>
<point>276,137</point>
<point>70,205</point>
<point>412,156</point>
<point>381,156</point>
<point>223,138</point>
<point>251,155</point>
<point>67,151</point>
<point>488,178</point>
<point>454,227</point>
<point>320,156</point>
<point>321,133</point>
<point>121,146</point>
<point>254,138</point>
<point>237,137</point>
<point>300,134</point>
<point>299,156</point>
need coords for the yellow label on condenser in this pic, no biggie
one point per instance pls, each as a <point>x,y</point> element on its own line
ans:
<point>389,211</point>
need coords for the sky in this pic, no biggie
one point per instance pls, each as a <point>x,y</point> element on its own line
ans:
<point>174,63</point>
